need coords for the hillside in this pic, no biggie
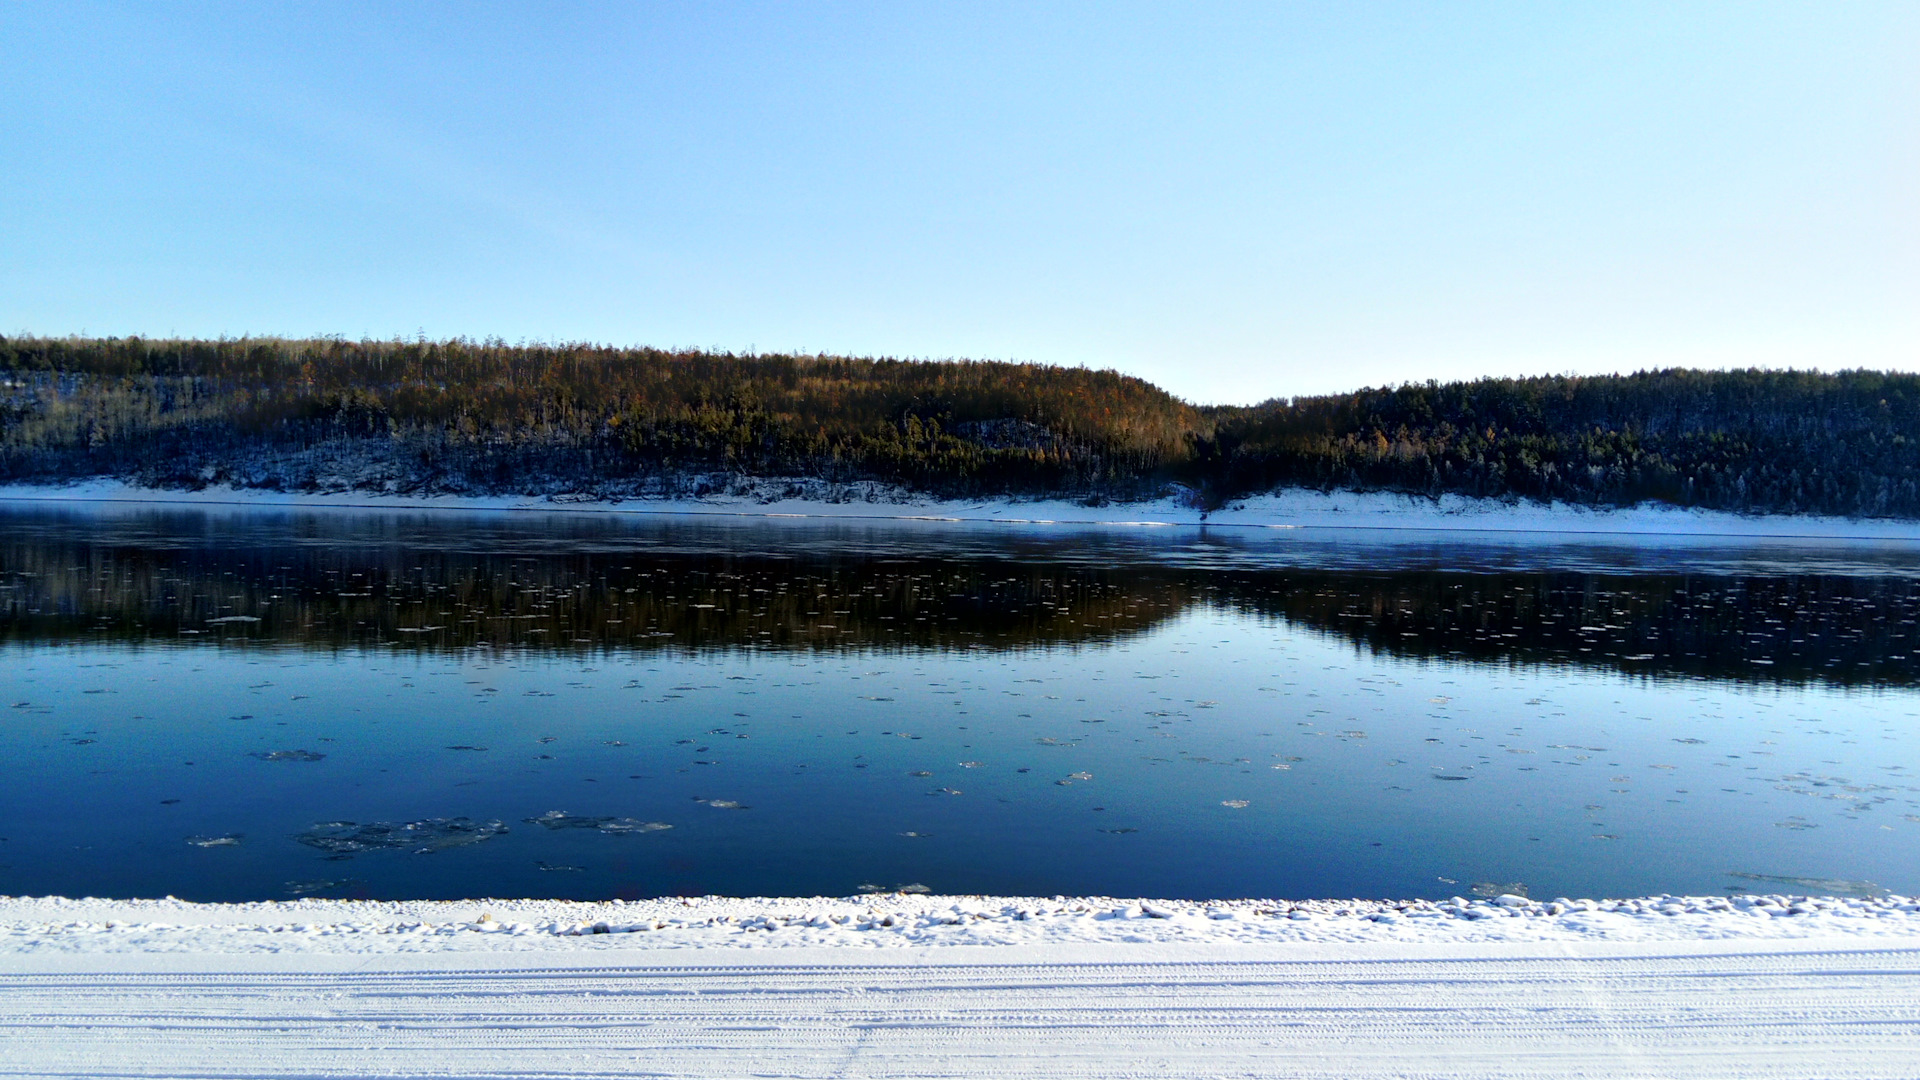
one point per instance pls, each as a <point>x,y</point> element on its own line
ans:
<point>1767,441</point>
<point>485,417</point>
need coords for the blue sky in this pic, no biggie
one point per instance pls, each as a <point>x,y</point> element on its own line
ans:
<point>1235,201</point>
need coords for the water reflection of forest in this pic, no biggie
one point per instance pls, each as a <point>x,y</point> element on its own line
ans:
<point>1837,629</point>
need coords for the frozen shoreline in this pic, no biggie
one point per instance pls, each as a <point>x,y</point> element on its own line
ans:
<point>959,986</point>
<point>50,925</point>
<point>1287,509</point>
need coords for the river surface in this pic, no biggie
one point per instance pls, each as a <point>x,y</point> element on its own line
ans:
<point>246,704</point>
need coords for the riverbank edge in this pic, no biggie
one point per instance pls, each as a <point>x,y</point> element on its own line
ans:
<point>33,925</point>
<point>1288,509</point>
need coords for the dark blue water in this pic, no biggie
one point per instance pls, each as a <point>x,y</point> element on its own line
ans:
<point>253,705</point>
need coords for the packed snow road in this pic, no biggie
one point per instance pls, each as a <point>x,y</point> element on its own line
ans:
<point>1755,1008</point>
<point>900,985</point>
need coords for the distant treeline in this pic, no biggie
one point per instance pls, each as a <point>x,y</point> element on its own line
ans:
<point>1768,441</point>
<point>486,417</point>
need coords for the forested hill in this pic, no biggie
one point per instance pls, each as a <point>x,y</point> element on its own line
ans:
<point>1770,441</point>
<point>462,416</point>
<point>484,417</point>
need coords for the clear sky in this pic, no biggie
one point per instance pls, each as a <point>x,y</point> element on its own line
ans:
<point>1235,201</point>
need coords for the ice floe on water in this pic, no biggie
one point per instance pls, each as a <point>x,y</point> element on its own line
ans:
<point>1822,886</point>
<point>612,826</point>
<point>288,755</point>
<point>311,888</point>
<point>348,838</point>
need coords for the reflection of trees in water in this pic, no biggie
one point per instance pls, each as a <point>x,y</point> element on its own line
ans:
<point>1848,630</point>
<point>338,598</point>
<point>1838,629</point>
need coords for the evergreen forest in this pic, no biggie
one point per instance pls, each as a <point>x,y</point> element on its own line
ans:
<point>467,417</point>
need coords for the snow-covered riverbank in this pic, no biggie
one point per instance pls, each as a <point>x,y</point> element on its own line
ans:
<point>961,986</point>
<point>43,925</point>
<point>1288,509</point>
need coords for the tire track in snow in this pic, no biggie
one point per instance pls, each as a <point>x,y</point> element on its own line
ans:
<point>1853,1011</point>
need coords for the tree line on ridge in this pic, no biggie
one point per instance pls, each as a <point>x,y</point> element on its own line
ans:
<point>476,417</point>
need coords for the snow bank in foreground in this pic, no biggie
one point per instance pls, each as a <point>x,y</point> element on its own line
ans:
<point>1069,989</point>
<point>55,924</point>
<point>1838,1009</point>
<point>1289,509</point>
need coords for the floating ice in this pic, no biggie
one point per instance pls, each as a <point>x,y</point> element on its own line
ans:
<point>612,826</point>
<point>915,888</point>
<point>308,888</point>
<point>287,755</point>
<point>224,840</point>
<point>1817,885</point>
<point>421,837</point>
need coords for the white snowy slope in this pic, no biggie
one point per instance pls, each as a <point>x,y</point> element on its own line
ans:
<point>910,986</point>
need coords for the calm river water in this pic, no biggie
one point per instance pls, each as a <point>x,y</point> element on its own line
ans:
<point>254,704</point>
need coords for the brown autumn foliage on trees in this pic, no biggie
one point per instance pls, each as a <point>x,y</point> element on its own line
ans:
<point>462,416</point>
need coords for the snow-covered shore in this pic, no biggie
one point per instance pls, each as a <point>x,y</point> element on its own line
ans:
<point>902,985</point>
<point>38,925</point>
<point>1286,509</point>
